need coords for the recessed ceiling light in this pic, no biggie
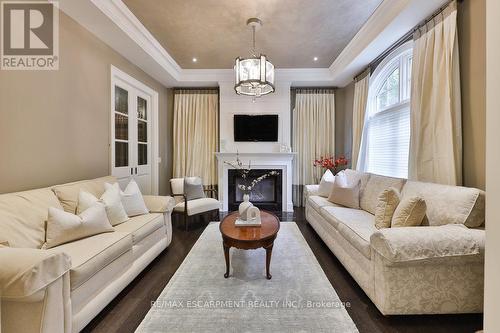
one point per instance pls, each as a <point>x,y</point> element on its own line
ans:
<point>315,58</point>
<point>195,60</point>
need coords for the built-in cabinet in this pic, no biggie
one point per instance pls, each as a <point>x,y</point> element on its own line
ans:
<point>132,139</point>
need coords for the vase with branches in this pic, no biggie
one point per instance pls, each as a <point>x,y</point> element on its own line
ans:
<point>248,183</point>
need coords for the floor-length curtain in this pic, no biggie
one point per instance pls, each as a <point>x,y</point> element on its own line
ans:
<point>313,135</point>
<point>358,114</point>
<point>196,122</point>
<point>436,129</point>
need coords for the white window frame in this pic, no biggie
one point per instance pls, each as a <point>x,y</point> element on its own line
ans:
<point>398,58</point>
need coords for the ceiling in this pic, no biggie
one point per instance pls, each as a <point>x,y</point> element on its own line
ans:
<point>215,32</point>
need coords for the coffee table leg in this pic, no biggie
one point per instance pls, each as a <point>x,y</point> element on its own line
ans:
<point>226,255</point>
<point>269,251</point>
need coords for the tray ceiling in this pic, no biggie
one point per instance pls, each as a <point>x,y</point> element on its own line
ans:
<point>214,31</point>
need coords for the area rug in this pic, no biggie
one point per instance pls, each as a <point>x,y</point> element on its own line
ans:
<point>298,298</point>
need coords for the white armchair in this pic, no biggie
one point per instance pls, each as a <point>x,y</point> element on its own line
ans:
<point>190,208</point>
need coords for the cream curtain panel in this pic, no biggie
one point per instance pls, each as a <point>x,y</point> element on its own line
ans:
<point>358,115</point>
<point>313,133</point>
<point>196,132</point>
<point>436,128</point>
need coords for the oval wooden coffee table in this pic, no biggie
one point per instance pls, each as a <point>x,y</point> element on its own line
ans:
<point>248,238</point>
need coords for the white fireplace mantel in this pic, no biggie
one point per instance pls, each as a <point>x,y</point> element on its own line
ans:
<point>283,161</point>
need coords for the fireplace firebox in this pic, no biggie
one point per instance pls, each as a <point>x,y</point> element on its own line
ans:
<point>265,195</point>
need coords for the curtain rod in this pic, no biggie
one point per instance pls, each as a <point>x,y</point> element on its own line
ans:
<point>313,88</point>
<point>196,88</point>
<point>433,15</point>
<point>405,38</point>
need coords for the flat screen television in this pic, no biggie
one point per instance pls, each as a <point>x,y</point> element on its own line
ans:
<point>256,128</point>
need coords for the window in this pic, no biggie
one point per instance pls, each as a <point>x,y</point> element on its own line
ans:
<point>386,137</point>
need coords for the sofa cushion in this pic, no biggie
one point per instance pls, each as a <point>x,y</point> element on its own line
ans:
<point>197,206</point>
<point>68,193</point>
<point>448,204</point>
<point>353,176</point>
<point>90,255</point>
<point>355,225</point>
<point>141,226</point>
<point>317,202</point>
<point>375,185</point>
<point>23,216</point>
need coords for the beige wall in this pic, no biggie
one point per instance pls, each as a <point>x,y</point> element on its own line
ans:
<point>344,98</point>
<point>472,41</point>
<point>55,125</point>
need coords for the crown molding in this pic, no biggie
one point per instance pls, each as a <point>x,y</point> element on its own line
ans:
<point>391,20</point>
<point>123,17</point>
<point>117,26</point>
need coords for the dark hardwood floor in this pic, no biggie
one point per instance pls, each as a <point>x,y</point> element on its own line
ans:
<point>127,310</point>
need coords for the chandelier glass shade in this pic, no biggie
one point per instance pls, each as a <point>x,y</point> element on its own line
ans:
<point>254,76</point>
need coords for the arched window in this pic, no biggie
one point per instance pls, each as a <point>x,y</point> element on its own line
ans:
<point>386,136</point>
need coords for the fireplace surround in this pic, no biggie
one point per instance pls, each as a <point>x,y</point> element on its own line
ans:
<point>266,195</point>
<point>279,161</point>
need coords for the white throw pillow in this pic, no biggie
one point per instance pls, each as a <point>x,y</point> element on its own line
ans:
<point>326,184</point>
<point>64,227</point>
<point>132,199</point>
<point>343,193</point>
<point>112,201</point>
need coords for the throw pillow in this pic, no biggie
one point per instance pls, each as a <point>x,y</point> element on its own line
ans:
<point>409,213</point>
<point>4,243</point>
<point>112,201</point>
<point>326,184</point>
<point>388,201</point>
<point>64,227</point>
<point>193,188</point>
<point>343,193</point>
<point>132,199</point>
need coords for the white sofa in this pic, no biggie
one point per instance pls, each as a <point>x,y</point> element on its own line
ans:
<point>63,288</point>
<point>435,268</point>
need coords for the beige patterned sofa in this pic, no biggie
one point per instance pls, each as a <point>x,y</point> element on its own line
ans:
<point>63,288</point>
<point>435,268</point>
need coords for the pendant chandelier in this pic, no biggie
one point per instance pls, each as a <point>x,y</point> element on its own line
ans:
<point>254,75</point>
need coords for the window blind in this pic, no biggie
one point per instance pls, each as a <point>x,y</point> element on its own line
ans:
<point>388,139</point>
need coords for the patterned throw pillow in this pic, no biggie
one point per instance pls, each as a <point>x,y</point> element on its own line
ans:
<point>409,213</point>
<point>388,201</point>
<point>193,188</point>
